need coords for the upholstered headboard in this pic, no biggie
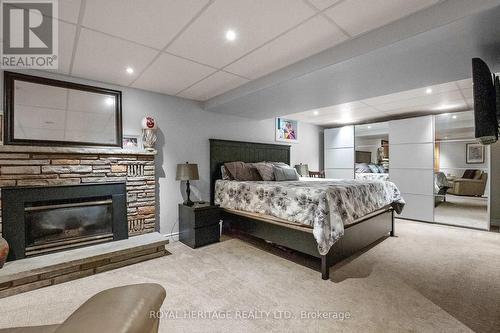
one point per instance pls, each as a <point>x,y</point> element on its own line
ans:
<point>223,151</point>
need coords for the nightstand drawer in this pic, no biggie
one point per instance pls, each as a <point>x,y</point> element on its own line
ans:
<point>200,236</point>
<point>207,235</point>
<point>207,217</point>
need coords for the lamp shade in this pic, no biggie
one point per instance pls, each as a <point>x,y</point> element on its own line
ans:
<point>187,171</point>
<point>302,169</point>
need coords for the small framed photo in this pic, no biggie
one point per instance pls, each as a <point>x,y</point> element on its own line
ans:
<point>287,130</point>
<point>474,153</point>
<point>133,142</point>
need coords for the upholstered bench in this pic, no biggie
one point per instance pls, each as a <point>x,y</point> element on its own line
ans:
<point>124,309</point>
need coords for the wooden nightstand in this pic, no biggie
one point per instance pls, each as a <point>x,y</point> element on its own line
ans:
<point>199,224</point>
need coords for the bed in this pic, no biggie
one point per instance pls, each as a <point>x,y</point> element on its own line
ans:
<point>299,232</point>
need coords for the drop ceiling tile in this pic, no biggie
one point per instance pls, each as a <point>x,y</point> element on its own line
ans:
<point>170,74</point>
<point>359,16</point>
<point>341,108</point>
<point>67,33</point>
<point>315,35</point>
<point>457,105</point>
<point>348,115</point>
<point>103,58</point>
<point>408,94</point>
<point>254,22</point>
<point>436,99</point>
<point>69,10</point>
<point>212,86</point>
<point>153,22</point>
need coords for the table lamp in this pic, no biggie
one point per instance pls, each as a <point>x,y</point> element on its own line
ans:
<point>187,172</point>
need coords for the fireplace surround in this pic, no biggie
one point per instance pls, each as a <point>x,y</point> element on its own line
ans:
<point>45,219</point>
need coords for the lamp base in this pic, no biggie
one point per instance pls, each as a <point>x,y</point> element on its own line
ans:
<point>188,203</point>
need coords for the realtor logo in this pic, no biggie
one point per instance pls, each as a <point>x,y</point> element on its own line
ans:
<point>29,34</point>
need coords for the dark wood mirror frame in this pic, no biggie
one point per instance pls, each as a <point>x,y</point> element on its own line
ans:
<point>9,82</point>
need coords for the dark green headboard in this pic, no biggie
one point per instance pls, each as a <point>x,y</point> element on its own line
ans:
<point>223,151</point>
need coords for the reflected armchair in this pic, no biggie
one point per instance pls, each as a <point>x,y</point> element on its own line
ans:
<point>472,183</point>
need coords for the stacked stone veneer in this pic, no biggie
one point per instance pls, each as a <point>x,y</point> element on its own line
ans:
<point>49,169</point>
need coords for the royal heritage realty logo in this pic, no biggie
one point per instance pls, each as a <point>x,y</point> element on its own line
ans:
<point>29,34</point>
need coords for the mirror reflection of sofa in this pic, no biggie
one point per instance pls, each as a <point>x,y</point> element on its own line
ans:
<point>472,183</point>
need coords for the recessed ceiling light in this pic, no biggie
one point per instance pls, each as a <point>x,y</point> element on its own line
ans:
<point>369,127</point>
<point>130,70</point>
<point>316,112</point>
<point>428,91</point>
<point>230,35</point>
<point>455,117</point>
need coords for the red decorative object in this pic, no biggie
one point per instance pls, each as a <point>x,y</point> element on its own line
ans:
<point>150,122</point>
<point>4,251</point>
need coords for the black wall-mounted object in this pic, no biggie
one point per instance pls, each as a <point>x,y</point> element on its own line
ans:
<point>485,109</point>
<point>16,199</point>
<point>10,138</point>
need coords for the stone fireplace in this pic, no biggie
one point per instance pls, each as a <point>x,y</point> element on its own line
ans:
<point>55,198</point>
<point>40,220</point>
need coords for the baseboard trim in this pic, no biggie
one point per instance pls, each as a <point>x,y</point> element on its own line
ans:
<point>174,236</point>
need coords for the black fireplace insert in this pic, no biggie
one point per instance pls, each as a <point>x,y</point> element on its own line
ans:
<point>38,220</point>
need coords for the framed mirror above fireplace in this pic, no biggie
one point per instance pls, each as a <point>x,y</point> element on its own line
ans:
<point>45,112</point>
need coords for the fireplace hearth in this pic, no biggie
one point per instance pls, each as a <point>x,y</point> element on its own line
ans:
<point>38,220</point>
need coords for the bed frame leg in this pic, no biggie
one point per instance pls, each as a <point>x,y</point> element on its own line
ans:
<point>325,269</point>
<point>392,225</point>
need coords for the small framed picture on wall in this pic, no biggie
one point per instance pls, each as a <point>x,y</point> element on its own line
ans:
<point>474,153</point>
<point>287,130</point>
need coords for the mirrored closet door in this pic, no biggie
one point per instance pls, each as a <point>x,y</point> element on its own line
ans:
<point>461,172</point>
<point>372,151</point>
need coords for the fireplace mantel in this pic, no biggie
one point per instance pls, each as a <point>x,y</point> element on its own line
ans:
<point>73,150</point>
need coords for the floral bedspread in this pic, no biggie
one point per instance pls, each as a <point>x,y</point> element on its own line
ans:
<point>325,205</point>
<point>372,176</point>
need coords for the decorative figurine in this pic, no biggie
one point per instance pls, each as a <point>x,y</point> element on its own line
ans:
<point>148,133</point>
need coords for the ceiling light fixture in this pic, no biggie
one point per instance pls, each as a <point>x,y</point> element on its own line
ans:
<point>230,35</point>
<point>369,127</point>
<point>316,112</point>
<point>130,70</point>
<point>428,91</point>
<point>455,117</point>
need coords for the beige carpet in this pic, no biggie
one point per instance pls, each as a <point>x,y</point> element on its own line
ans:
<point>463,211</point>
<point>430,278</point>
